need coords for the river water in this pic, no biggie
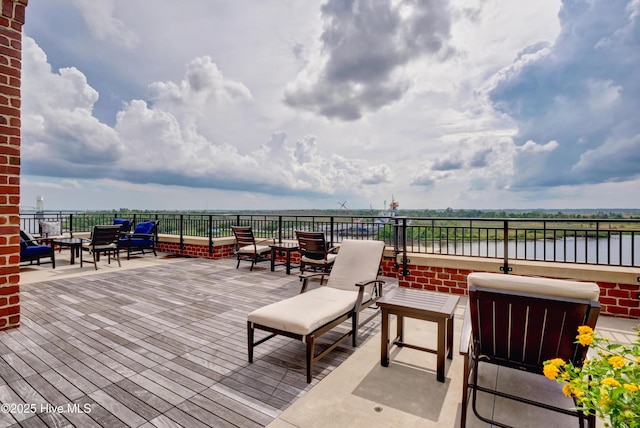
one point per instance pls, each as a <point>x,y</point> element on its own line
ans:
<point>617,250</point>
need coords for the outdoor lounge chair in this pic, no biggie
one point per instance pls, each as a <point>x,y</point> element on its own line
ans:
<point>125,224</point>
<point>519,322</point>
<point>104,240</point>
<point>31,251</point>
<point>247,248</point>
<point>352,286</point>
<point>143,237</point>
<point>314,251</point>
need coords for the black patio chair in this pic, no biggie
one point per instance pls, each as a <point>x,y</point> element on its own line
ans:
<point>104,240</point>
<point>32,251</point>
<point>247,248</point>
<point>315,253</point>
<point>520,322</point>
<point>143,237</point>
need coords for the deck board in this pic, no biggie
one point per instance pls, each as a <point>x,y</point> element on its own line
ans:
<point>161,345</point>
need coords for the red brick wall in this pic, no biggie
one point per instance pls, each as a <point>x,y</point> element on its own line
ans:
<point>219,251</point>
<point>11,22</point>
<point>615,299</point>
<point>192,250</point>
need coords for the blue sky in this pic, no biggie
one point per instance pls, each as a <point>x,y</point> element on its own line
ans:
<point>271,104</point>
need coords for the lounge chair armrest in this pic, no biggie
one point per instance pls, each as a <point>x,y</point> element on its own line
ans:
<point>305,279</point>
<point>332,249</point>
<point>267,240</point>
<point>306,276</point>
<point>465,335</point>
<point>371,281</point>
<point>140,235</point>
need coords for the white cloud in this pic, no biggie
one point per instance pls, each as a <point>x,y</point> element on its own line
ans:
<point>98,15</point>
<point>159,142</point>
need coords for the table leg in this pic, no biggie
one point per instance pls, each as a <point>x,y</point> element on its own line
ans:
<point>400,329</point>
<point>450,338</point>
<point>273,260</point>
<point>442,326</point>
<point>72,249</point>
<point>288,262</point>
<point>384,340</point>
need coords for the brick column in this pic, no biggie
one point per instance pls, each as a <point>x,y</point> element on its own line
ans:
<point>11,22</point>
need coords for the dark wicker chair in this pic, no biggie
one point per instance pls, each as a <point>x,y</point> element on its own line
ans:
<point>315,253</point>
<point>104,240</point>
<point>31,251</point>
<point>247,248</point>
<point>520,322</point>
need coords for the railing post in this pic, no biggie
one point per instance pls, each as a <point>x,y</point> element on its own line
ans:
<point>71,224</point>
<point>210,234</point>
<point>181,232</point>
<point>405,260</point>
<point>331,224</point>
<point>598,244</point>
<point>400,239</point>
<point>505,239</point>
<point>280,229</point>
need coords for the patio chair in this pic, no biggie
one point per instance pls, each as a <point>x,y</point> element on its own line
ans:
<point>519,322</point>
<point>352,286</point>
<point>31,250</point>
<point>315,253</point>
<point>104,240</point>
<point>247,248</point>
<point>124,223</point>
<point>143,237</point>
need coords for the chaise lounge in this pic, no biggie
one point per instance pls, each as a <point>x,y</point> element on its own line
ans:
<point>352,286</point>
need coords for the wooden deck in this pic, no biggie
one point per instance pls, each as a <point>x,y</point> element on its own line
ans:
<point>164,346</point>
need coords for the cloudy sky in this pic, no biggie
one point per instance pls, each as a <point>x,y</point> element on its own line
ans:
<point>246,104</point>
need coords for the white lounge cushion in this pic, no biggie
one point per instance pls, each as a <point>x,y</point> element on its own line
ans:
<point>305,312</point>
<point>358,261</point>
<point>538,285</point>
<point>259,249</point>
<point>329,259</point>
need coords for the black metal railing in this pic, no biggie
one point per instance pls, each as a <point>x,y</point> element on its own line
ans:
<point>613,242</point>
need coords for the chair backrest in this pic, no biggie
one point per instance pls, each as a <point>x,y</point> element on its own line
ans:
<point>125,224</point>
<point>105,235</point>
<point>520,322</point>
<point>27,238</point>
<point>357,260</point>
<point>148,227</point>
<point>312,245</point>
<point>244,236</point>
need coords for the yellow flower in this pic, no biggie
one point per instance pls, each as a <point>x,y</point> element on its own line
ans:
<point>585,339</point>
<point>551,371</point>
<point>610,381</point>
<point>585,329</point>
<point>558,362</point>
<point>617,361</point>
<point>578,393</point>
<point>567,390</point>
<point>631,387</point>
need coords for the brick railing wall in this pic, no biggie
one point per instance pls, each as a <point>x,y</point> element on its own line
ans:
<point>11,21</point>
